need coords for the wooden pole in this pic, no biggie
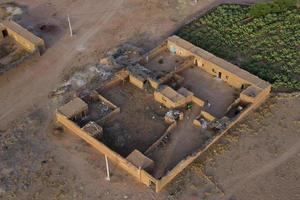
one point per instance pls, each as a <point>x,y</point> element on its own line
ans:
<point>70,26</point>
<point>107,169</point>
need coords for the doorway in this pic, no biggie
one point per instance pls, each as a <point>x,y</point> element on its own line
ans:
<point>220,75</point>
<point>5,33</point>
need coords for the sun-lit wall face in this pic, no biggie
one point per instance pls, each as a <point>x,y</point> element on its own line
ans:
<point>23,37</point>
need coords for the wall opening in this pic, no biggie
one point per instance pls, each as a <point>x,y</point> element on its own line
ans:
<point>5,33</point>
<point>220,75</point>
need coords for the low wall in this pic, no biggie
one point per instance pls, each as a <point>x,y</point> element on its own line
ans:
<point>189,62</point>
<point>109,116</point>
<point>156,143</point>
<point>207,116</point>
<point>184,163</point>
<point>154,52</point>
<point>102,98</point>
<point>121,162</point>
<point>198,101</point>
<point>237,101</point>
<point>136,82</point>
<point>154,83</point>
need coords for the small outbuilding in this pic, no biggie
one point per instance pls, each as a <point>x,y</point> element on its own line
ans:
<point>74,108</point>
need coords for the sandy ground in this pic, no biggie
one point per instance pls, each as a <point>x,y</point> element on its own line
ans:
<point>213,90</point>
<point>140,122</point>
<point>35,164</point>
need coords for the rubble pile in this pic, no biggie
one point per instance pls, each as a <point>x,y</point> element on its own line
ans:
<point>140,71</point>
<point>123,56</point>
<point>173,116</point>
<point>220,124</point>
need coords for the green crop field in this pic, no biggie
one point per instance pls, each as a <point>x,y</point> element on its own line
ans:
<point>267,46</point>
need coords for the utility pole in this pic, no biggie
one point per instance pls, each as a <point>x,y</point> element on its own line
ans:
<point>107,169</point>
<point>69,21</point>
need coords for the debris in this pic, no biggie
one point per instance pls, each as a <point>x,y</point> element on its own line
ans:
<point>173,115</point>
<point>203,123</point>
<point>140,71</point>
<point>82,78</point>
<point>65,87</point>
<point>123,56</point>
<point>93,130</point>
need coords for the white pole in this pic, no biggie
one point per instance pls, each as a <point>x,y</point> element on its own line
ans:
<point>107,169</point>
<point>69,21</point>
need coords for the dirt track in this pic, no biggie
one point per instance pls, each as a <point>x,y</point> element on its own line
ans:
<point>37,165</point>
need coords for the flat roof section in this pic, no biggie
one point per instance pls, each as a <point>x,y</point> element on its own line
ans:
<point>171,94</point>
<point>140,160</point>
<point>74,107</point>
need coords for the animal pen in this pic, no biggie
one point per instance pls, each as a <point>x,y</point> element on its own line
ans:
<point>154,118</point>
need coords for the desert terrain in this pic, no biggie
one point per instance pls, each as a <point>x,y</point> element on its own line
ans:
<point>258,159</point>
